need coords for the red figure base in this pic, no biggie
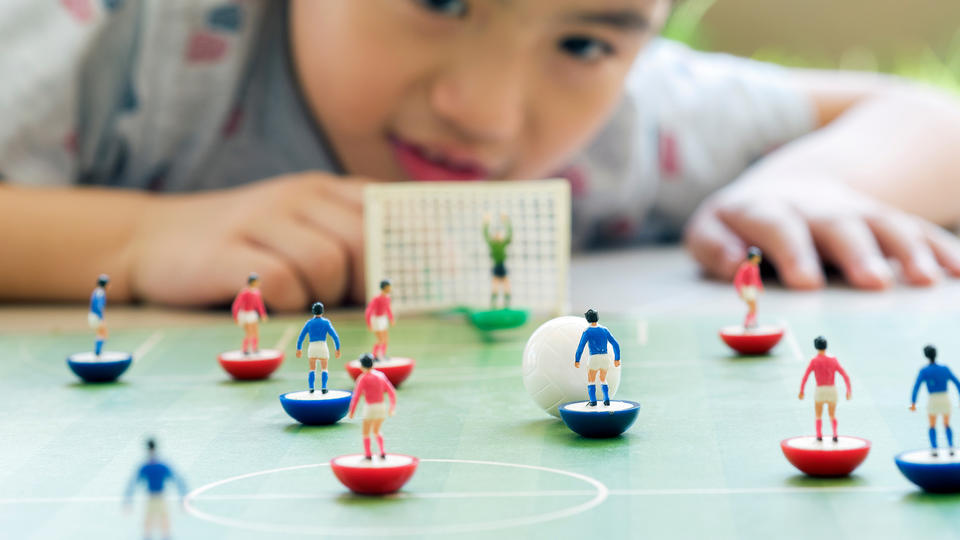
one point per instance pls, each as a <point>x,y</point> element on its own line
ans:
<point>825,458</point>
<point>396,369</point>
<point>249,367</point>
<point>754,341</point>
<point>374,477</point>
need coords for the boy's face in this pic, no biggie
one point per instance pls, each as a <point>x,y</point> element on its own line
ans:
<point>465,89</point>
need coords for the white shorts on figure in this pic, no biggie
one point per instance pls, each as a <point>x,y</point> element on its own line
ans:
<point>938,403</point>
<point>600,361</point>
<point>94,320</point>
<point>318,349</point>
<point>247,317</point>
<point>748,293</point>
<point>375,411</point>
<point>379,323</point>
<point>156,508</point>
<point>825,394</point>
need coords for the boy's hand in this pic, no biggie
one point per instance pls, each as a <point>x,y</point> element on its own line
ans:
<point>798,224</point>
<point>302,233</point>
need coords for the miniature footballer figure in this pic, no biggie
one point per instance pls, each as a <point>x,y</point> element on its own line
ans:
<point>825,369</point>
<point>98,301</point>
<point>749,286</point>
<point>498,243</point>
<point>372,384</point>
<point>155,474</point>
<point>317,329</point>
<point>379,319</point>
<point>597,336</point>
<point>248,310</point>
<point>937,377</point>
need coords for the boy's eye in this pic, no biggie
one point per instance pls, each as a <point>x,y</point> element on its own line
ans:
<point>449,8</point>
<point>585,48</point>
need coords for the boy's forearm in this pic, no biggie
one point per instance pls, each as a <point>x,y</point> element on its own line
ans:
<point>900,145</point>
<point>57,240</point>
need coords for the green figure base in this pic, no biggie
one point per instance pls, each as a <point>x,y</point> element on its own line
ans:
<point>498,319</point>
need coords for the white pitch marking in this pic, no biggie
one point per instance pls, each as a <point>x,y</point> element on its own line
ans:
<point>642,332</point>
<point>148,345</point>
<point>285,337</point>
<point>599,493</point>
<point>792,342</point>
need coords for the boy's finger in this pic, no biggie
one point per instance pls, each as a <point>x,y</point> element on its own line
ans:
<point>901,238</point>
<point>282,289</point>
<point>784,237</point>
<point>945,246</point>
<point>319,263</point>
<point>718,250</point>
<point>850,244</point>
<point>347,190</point>
<point>345,226</point>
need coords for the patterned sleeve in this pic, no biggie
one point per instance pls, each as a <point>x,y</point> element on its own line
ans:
<point>689,123</point>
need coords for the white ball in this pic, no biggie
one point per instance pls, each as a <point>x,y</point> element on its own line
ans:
<point>548,371</point>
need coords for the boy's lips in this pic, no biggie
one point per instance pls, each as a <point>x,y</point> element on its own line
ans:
<point>420,163</point>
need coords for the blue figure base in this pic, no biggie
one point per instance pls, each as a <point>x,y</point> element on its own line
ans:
<point>939,474</point>
<point>601,421</point>
<point>316,409</point>
<point>107,368</point>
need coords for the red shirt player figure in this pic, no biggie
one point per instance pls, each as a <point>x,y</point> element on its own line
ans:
<point>748,284</point>
<point>247,311</point>
<point>379,319</point>
<point>825,369</point>
<point>372,384</point>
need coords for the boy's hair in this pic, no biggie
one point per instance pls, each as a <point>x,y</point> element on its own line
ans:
<point>820,343</point>
<point>151,445</point>
<point>252,277</point>
<point>754,251</point>
<point>102,280</point>
<point>366,361</point>
<point>317,308</point>
<point>591,315</point>
<point>384,284</point>
<point>930,352</point>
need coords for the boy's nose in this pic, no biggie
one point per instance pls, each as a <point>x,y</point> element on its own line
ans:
<point>483,100</point>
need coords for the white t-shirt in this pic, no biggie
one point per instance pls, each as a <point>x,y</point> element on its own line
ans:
<point>186,96</point>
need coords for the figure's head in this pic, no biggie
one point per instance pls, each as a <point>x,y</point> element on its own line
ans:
<point>151,446</point>
<point>366,361</point>
<point>820,343</point>
<point>465,89</point>
<point>253,280</point>
<point>931,353</point>
<point>591,316</point>
<point>385,286</point>
<point>317,309</point>
<point>754,255</point>
<point>103,280</point>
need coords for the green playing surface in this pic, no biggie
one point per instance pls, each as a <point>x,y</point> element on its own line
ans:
<point>702,461</point>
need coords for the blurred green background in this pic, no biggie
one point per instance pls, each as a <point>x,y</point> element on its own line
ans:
<point>918,39</point>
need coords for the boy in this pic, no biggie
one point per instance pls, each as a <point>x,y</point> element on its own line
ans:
<point>248,310</point>
<point>371,385</point>
<point>379,319</point>
<point>214,96</point>
<point>155,474</point>
<point>937,378</point>
<point>825,369</point>
<point>598,337</point>
<point>98,302</point>
<point>318,328</point>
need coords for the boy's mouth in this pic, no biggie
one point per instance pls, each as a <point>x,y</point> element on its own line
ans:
<point>422,163</point>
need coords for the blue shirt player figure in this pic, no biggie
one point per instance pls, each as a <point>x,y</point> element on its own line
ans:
<point>155,474</point>
<point>597,337</point>
<point>937,377</point>
<point>317,329</point>
<point>98,301</point>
